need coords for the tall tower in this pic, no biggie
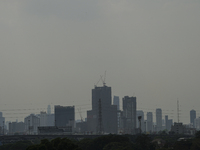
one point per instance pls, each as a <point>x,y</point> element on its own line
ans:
<point>149,122</point>
<point>159,119</point>
<point>140,113</point>
<point>192,117</point>
<point>64,115</point>
<point>108,111</point>
<point>129,113</point>
<point>49,109</point>
<point>116,101</point>
<point>166,122</point>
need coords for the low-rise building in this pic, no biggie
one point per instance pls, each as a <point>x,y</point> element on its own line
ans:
<point>178,128</point>
<point>16,128</point>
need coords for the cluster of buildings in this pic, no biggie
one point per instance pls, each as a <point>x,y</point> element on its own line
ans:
<point>105,117</point>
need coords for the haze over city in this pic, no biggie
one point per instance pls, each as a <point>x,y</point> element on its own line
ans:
<point>53,52</point>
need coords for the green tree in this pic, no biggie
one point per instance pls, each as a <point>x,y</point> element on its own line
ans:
<point>143,142</point>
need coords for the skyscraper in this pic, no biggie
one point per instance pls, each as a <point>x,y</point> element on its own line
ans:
<point>129,114</point>
<point>116,101</point>
<point>32,122</point>
<point>63,115</point>
<point>159,119</point>
<point>49,109</point>
<point>101,99</point>
<point>192,117</point>
<point>2,120</point>
<point>197,123</point>
<point>140,113</point>
<point>166,122</point>
<point>149,122</point>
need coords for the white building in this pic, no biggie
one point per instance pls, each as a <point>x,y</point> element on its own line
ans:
<point>46,119</point>
<point>197,123</point>
<point>43,118</point>
<point>32,122</point>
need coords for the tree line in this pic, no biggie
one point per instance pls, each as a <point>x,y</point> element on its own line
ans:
<point>111,142</point>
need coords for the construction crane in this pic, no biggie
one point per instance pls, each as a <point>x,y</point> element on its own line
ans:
<point>103,79</point>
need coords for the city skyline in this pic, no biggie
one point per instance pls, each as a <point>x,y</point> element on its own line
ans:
<point>103,115</point>
<point>172,115</point>
<point>53,53</point>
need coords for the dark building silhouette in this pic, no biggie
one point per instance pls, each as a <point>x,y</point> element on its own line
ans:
<point>192,117</point>
<point>149,122</point>
<point>16,127</point>
<point>129,114</point>
<point>108,111</point>
<point>64,115</point>
<point>116,101</point>
<point>159,119</point>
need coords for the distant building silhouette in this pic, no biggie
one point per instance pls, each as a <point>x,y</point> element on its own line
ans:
<point>2,120</point>
<point>46,119</point>
<point>129,114</point>
<point>108,111</point>
<point>192,117</point>
<point>16,127</point>
<point>64,115</point>
<point>32,122</point>
<point>178,128</point>
<point>116,101</point>
<point>149,122</point>
<point>197,123</point>
<point>49,109</point>
<point>168,123</point>
<point>140,113</point>
<point>159,119</point>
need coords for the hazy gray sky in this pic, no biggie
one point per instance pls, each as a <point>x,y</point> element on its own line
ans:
<point>53,52</point>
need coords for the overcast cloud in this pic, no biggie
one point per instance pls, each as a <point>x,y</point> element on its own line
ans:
<point>53,52</point>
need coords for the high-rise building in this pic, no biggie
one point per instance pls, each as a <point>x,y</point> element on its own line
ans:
<point>32,122</point>
<point>158,119</point>
<point>170,123</point>
<point>50,120</point>
<point>149,122</point>
<point>166,122</point>
<point>49,109</point>
<point>103,113</point>
<point>192,117</point>
<point>140,113</point>
<point>64,115</point>
<point>2,121</point>
<point>116,101</point>
<point>197,123</point>
<point>46,119</point>
<point>129,114</point>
